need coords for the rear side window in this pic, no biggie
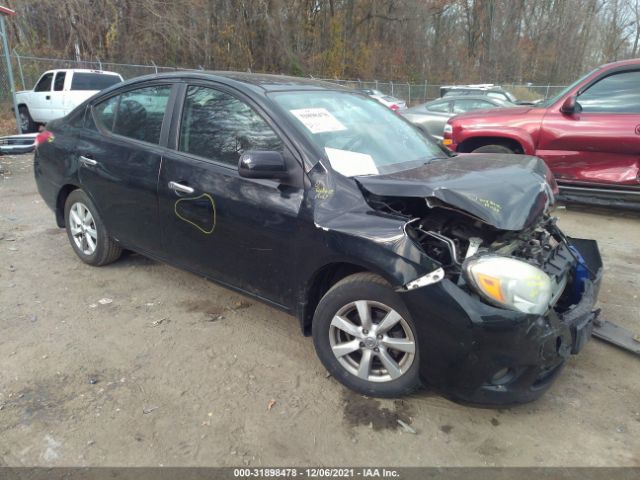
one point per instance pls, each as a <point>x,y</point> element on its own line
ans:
<point>141,112</point>
<point>618,93</point>
<point>93,81</point>
<point>439,107</point>
<point>104,113</point>
<point>498,95</point>
<point>461,106</point>
<point>58,83</point>
<point>218,126</point>
<point>44,85</point>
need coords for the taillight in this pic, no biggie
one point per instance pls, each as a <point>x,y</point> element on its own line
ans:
<point>42,137</point>
<point>394,107</point>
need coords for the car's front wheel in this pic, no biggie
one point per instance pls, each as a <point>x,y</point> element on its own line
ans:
<point>366,338</point>
<point>86,231</point>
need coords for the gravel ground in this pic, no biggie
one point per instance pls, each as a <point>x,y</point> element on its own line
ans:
<point>171,369</point>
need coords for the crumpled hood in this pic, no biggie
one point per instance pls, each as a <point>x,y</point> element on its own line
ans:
<point>507,191</point>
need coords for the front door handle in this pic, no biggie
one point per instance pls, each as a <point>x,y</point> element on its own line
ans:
<point>179,187</point>
<point>87,161</point>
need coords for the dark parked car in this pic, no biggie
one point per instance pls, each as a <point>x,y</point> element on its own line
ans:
<point>588,134</point>
<point>404,265</point>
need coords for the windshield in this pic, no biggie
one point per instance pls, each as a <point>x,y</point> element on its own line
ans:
<point>358,135</point>
<point>550,101</point>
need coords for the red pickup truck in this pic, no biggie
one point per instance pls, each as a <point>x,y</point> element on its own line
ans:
<point>588,134</point>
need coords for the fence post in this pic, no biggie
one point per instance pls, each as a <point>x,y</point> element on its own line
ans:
<point>546,95</point>
<point>7,57</point>
<point>425,89</point>
<point>99,64</point>
<point>409,86</point>
<point>24,86</point>
<point>377,85</point>
<point>391,88</point>
<point>154,66</point>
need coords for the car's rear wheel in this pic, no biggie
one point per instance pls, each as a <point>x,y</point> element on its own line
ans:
<point>86,231</point>
<point>366,338</point>
<point>493,149</point>
<point>27,125</point>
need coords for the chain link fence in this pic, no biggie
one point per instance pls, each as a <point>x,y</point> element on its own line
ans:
<point>28,69</point>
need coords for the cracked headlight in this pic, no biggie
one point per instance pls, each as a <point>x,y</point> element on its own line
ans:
<point>510,283</point>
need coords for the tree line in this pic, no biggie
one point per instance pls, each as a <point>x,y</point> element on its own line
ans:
<point>508,41</point>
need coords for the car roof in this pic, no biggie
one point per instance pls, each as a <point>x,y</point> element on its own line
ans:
<point>479,88</point>
<point>451,98</point>
<point>82,70</point>
<point>262,82</point>
<point>621,63</point>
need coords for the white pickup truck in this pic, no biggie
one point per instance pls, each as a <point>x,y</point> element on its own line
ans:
<point>57,92</point>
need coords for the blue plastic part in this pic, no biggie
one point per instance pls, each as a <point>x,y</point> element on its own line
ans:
<point>580,274</point>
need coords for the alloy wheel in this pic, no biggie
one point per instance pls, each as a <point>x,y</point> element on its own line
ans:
<point>372,341</point>
<point>83,228</point>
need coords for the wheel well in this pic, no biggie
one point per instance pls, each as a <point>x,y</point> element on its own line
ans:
<point>471,144</point>
<point>23,105</point>
<point>62,198</point>
<point>320,284</point>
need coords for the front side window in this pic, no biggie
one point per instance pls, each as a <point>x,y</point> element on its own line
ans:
<point>617,93</point>
<point>58,84</point>
<point>358,135</point>
<point>140,113</point>
<point>218,126</point>
<point>44,85</point>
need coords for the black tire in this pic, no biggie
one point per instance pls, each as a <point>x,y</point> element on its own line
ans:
<point>106,250</point>
<point>26,122</point>
<point>372,288</point>
<point>493,149</point>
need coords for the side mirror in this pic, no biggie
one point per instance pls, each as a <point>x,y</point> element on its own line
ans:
<point>571,106</point>
<point>262,164</point>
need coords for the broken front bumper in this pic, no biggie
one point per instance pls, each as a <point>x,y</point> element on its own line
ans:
<point>480,354</point>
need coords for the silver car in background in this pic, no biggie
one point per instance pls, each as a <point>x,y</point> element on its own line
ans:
<point>395,104</point>
<point>431,117</point>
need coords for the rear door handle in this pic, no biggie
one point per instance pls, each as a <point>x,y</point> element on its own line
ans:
<point>179,187</point>
<point>87,160</point>
<point>48,97</point>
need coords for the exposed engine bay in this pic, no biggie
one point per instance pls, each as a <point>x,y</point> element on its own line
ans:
<point>450,236</point>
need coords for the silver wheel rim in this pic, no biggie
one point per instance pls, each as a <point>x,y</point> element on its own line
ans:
<point>372,341</point>
<point>83,228</point>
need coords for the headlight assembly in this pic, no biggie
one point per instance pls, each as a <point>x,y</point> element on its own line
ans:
<point>510,283</point>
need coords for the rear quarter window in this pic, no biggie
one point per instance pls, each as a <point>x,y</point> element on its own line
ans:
<point>93,81</point>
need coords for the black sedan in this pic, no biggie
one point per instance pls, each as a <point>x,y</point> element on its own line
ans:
<point>406,265</point>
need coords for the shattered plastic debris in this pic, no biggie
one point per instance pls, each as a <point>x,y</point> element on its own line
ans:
<point>406,427</point>
<point>105,301</point>
<point>270,405</point>
<point>148,410</point>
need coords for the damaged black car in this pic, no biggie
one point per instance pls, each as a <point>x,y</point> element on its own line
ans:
<point>408,266</point>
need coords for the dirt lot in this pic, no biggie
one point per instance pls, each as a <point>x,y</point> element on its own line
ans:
<point>178,371</point>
